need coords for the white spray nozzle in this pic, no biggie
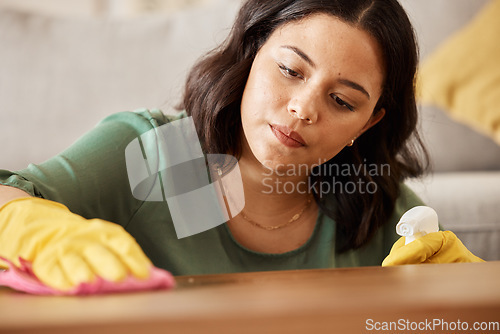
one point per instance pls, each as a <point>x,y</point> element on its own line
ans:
<point>417,222</point>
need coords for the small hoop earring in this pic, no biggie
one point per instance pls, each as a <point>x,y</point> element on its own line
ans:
<point>351,143</point>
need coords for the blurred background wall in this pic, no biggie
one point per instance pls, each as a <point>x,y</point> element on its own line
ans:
<point>107,8</point>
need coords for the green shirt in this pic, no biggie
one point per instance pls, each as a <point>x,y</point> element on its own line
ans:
<point>90,178</point>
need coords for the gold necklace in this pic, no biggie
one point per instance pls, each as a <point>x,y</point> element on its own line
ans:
<point>272,228</point>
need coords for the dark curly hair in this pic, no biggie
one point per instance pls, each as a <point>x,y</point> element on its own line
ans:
<point>215,85</point>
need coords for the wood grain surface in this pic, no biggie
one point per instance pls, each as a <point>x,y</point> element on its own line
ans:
<point>357,300</point>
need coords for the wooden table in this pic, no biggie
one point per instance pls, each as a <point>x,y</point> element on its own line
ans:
<point>307,301</point>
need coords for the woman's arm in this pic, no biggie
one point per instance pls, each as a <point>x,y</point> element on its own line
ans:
<point>90,177</point>
<point>7,194</point>
<point>67,234</point>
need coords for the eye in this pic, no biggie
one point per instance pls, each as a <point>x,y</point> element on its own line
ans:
<point>289,72</point>
<point>341,102</point>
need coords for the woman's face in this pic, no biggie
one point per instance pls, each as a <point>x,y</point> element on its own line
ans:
<point>312,89</point>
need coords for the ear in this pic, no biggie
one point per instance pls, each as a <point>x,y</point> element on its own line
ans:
<point>374,119</point>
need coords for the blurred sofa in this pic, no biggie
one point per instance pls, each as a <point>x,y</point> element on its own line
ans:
<point>60,76</point>
<point>464,187</point>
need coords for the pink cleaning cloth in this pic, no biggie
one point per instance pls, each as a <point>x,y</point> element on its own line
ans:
<point>23,278</point>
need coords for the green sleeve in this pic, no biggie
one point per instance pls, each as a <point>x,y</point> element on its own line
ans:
<point>90,177</point>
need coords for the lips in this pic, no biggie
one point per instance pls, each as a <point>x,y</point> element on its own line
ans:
<point>286,136</point>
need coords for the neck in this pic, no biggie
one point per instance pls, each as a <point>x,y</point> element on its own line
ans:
<point>267,207</point>
<point>270,194</point>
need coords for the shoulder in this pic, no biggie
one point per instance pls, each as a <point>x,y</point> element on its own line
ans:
<point>141,120</point>
<point>407,199</point>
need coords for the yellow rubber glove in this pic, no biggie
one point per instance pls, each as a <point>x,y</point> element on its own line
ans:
<point>436,247</point>
<point>66,249</point>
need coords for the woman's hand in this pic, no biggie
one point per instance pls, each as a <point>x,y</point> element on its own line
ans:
<point>66,249</point>
<point>437,247</point>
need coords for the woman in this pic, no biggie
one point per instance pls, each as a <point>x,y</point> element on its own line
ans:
<point>316,101</point>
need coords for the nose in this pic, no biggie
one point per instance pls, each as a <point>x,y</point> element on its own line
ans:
<point>304,106</point>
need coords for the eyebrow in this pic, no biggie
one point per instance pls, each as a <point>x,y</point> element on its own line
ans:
<point>355,86</point>
<point>344,82</point>
<point>300,53</point>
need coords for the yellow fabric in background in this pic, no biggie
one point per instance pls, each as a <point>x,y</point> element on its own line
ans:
<point>463,75</point>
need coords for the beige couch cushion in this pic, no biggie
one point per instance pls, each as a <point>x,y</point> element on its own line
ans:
<point>59,77</point>
<point>467,204</point>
